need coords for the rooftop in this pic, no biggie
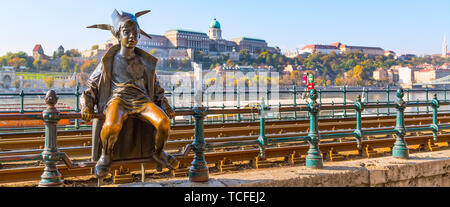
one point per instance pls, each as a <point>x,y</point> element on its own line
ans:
<point>249,38</point>
<point>214,24</point>
<point>363,47</point>
<point>320,47</point>
<point>186,31</point>
<point>36,47</point>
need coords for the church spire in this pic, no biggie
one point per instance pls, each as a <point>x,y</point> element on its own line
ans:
<point>444,47</point>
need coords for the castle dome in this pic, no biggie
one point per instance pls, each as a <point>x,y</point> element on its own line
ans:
<point>214,24</point>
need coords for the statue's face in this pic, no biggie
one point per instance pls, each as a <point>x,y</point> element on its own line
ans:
<point>129,35</point>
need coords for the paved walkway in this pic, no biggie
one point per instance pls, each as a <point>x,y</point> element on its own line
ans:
<point>422,169</point>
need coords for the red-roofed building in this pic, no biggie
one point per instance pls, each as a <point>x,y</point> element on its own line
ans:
<point>342,48</point>
<point>319,49</point>
<point>445,66</point>
<point>38,52</point>
<point>389,52</point>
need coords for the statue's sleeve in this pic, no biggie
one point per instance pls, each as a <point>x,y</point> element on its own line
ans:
<point>160,99</point>
<point>89,97</point>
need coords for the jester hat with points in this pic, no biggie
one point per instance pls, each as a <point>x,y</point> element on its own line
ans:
<point>119,20</point>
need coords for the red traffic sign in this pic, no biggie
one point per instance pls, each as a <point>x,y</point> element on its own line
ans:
<point>305,81</point>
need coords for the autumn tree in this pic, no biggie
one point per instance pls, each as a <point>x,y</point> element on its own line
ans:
<point>37,64</point>
<point>72,83</point>
<point>171,62</point>
<point>88,66</point>
<point>66,63</point>
<point>153,51</point>
<point>339,81</point>
<point>358,72</point>
<point>73,53</point>
<point>41,64</point>
<point>76,68</point>
<point>230,63</point>
<point>49,81</point>
<point>45,64</point>
<point>17,62</point>
<point>244,55</point>
<point>17,83</point>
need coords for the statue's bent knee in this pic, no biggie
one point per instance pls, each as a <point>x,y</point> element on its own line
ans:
<point>165,124</point>
<point>110,129</point>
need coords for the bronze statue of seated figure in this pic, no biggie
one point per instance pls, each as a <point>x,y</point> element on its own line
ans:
<point>125,88</point>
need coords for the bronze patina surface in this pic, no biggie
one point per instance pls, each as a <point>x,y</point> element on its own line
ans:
<point>125,88</point>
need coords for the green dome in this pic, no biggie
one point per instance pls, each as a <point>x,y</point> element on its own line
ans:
<point>214,24</point>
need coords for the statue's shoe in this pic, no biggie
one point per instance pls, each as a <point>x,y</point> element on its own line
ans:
<point>102,166</point>
<point>159,167</point>
<point>101,171</point>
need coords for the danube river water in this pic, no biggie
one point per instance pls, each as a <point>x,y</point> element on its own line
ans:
<point>284,97</point>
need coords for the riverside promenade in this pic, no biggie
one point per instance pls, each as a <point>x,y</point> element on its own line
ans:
<point>426,169</point>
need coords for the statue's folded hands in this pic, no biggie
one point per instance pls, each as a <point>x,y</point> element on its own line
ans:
<point>87,114</point>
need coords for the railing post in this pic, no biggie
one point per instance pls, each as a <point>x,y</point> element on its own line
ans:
<point>314,158</point>
<point>223,115</point>
<point>426,98</point>
<point>279,112</point>
<point>435,125</point>
<point>190,117</point>
<point>253,116</point>
<point>359,107</point>
<point>378,109</point>
<point>400,150</point>
<point>295,100</point>
<point>387,100</point>
<point>262,139</point>
<point>367,95</point>
<point>320,96</point>
<point>345,100</point>
<point>332,111</point>
<point>172,97</point>
<point>50,155</point>
<point>21,94</point>
<point>418,110</point>
<point>77,104</point>
<point>238,104</point>
<point>198,172</point>
<point>207,99</point>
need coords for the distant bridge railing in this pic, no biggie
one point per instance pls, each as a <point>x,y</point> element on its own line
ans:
<point>198,172</point>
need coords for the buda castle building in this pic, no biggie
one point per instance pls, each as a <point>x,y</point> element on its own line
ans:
<point>181,43</point>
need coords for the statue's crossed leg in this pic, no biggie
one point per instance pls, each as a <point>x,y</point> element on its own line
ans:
<point>116,114</point>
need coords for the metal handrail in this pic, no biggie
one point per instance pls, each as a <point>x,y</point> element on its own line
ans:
<point>199,172</point>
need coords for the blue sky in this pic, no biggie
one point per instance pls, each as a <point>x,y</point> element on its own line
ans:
<point>403,26</point>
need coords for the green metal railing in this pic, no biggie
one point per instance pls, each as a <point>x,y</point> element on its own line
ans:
<point>314,157</point>
<point>23,110</point>
<point>342,93</point>
<point>198,171</point>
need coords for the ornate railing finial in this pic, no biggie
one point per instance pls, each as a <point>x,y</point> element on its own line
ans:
<point>400,93</point>
<point>51,99</point>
